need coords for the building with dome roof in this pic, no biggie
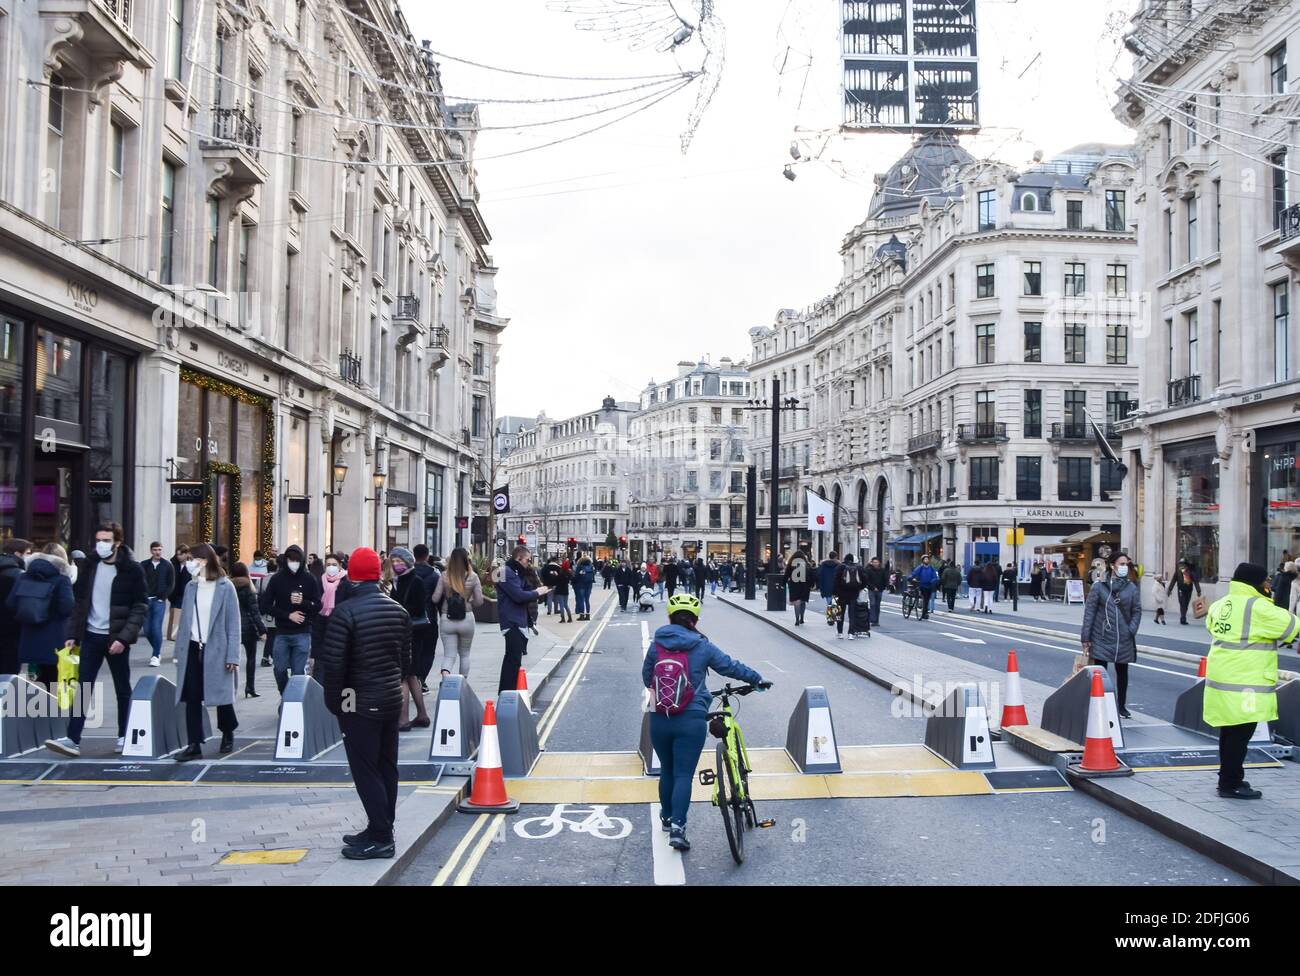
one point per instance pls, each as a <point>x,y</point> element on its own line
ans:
<point>980,312</point>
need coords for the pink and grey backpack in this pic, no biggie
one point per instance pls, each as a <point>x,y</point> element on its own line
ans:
<point>672,681</point>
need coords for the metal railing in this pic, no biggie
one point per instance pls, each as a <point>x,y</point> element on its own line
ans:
<point>604,506</point>
<point>408,307</point>
<point>350,367</point>
<point>924,442</point>
<point>440,337</point>
<point>119,10</point>
<point>1070,432</point>
<point>1184,390</point>
<point>786,471</point>
<point>970,433</point>
<point>1289,222</point>
<point>237,126</point>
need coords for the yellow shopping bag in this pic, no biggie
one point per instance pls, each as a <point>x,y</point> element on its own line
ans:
<point>69,668</point>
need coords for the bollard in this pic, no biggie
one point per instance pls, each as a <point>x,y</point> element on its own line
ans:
<point>28,716</point>
<point>1065,713</point>
<point>457,721</point>
<point>155,725</point>
<point>959,730</point>
<point>810,734</point>
<point>517,732</point>
<point>649,758</point>
<point>307,729</point>
<point>1189,713</point>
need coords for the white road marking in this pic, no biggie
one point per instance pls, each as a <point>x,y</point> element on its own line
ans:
<point>669,869</point>
<point>1016,638</point>
<point>964,640</point>
<point>645,638</point>
<point>775,668</point>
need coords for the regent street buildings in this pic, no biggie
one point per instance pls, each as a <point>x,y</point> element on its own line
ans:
<point>981,312</point>
<point>241,275</point>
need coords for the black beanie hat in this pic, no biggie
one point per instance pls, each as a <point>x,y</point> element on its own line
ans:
<point>1250,574</point>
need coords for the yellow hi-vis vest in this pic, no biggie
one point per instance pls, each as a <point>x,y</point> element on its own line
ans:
<point>1241,674</point>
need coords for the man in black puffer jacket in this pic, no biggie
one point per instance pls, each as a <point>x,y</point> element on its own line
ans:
<point>365,652</point>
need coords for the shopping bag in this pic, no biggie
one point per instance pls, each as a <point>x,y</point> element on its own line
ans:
<point>69,667</point>
<point>1199,607</point>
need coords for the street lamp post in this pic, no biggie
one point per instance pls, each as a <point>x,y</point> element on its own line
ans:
<point>775,587</point>
<point>378,480</point>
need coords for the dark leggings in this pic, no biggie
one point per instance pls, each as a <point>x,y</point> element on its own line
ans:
<point>678,740</point>
<point>250,660</point>
<point>1121,681</point>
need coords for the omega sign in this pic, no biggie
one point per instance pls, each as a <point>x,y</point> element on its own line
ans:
<point>83,299</point>
<point>234,365</point>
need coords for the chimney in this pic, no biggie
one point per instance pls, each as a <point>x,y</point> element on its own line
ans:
<point>684,366</point>
<point>607,404</point>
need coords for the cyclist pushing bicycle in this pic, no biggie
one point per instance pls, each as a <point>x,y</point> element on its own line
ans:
<point>675,670</point>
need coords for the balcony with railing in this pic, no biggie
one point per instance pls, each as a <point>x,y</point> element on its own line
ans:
<point>234,138</point>
<point>407,307</point>
<point>604,506</point>
<point>981,433</point>
<point>1183,391</point>
<point>786,471</point>
<point>1288,242</point>
<point>1080,432</point>
<point>928,441</point>
<point>105,32</point>
<point>350,368</point>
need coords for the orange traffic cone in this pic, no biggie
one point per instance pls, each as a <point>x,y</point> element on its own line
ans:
<point>521,686</point>
<point>1098,749</point>
<point>1013,708</point>
<point>1200,671</point>
<point>488,794</point>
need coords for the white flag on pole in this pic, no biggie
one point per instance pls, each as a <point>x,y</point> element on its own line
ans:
<point>819,513</point>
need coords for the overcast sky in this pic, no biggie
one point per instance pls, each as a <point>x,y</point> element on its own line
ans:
<point>620,256</point>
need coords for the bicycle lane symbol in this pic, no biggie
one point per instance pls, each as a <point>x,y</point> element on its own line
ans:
<point>591,820</point>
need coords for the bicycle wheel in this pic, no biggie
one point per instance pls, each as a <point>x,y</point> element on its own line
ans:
<point>907,606</point>
<point>728,804</point>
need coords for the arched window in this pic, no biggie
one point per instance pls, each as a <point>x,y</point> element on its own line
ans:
<point>1029,202</point>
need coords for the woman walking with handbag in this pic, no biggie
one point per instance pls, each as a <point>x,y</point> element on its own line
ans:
<point>251,627</point>
<point>1111,618</point>
<point>207,650</point>
<point>1186,580</point>
<point>41,601</point>
<point>457,591</point>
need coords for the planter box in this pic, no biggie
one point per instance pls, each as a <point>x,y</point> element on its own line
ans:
<point>487,613</point>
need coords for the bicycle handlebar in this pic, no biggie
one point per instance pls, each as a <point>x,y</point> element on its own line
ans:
<point>726,690</point>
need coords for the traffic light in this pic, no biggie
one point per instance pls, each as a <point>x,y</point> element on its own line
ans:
<point>572,542</point>
<point>622,540</point>
<point>520,539</point>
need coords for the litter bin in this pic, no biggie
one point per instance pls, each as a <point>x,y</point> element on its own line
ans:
<point>775,591</point>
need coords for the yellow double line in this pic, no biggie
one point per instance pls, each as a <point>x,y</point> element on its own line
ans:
<point>493,822</point>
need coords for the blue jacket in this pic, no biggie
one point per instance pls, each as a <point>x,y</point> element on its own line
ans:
<point>43,583</point>
<point>826,577</point>
<point>926,576</point>
<point>584,576</point>
<point>703,656</point>
<point>513,598</point>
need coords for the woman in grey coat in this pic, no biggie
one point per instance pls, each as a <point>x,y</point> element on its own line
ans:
<point>1111,618</point>
<point>207,650</point>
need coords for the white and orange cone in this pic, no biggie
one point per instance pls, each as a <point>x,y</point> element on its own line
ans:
<point>488,793</point>
<point>1098,749</point>
<point>1013,707</point>
<point>521,686</point>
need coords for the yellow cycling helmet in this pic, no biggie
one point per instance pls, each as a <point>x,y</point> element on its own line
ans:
<point>684,601</point>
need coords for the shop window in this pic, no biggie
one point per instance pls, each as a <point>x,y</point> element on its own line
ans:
<point>1192,477</point>
<point>1075,479</point>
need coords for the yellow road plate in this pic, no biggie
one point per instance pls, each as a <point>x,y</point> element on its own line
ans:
<point>265,857</point>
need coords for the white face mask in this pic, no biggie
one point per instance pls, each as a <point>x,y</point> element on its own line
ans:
<point>194,567</point>
<point>294,567</point>
<point>331,571</point>
<point>103,549</point>
<point>1121,570</point>
<point>72,573</point>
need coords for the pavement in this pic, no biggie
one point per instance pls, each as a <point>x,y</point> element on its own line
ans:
<point>57,833</point>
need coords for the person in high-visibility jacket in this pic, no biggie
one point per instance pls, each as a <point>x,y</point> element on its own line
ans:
<point>1241,674</point>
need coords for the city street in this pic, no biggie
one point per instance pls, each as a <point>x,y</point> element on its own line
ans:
<point>1013,838</point>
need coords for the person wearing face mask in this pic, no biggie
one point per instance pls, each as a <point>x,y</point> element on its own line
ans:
<point>333,580</point>
<point>108,617</point>
<point>292,597</point>
<point>408,590</point>
<point>159,581</point>
<point>207,651</point>
<point>1111,618</point>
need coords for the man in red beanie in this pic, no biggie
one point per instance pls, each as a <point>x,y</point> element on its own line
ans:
<point>365,652</point>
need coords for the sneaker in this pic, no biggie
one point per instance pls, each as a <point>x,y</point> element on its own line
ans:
<point>850,637</point>
<point>64,747</point>
<point>1242,792</point>
<point>677,838</point>
<point>1125,713</point>
<point>840,636</point>
<point>352,840</point>
<point>666,824</point>
<point>369,850</point>
<point>121,744</point>
<point>155,661</point>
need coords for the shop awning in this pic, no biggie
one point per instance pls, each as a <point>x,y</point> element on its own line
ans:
<point>1079,540</point>
<point>914,541</point>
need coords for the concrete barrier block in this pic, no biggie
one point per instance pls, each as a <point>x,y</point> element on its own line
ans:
<point>1065,713</point>
<point>1189,713</point>
<point>959,730</point>
<point>28,716</point>
<point>810,734</point>
<point>517,732</point>
<point>649,758</point>
<point>457,721</point>
<point>307,729</point>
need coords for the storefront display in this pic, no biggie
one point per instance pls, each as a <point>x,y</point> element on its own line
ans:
<point>1192,480</point>
<point>225,438</point>
<point>1279,477</point>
